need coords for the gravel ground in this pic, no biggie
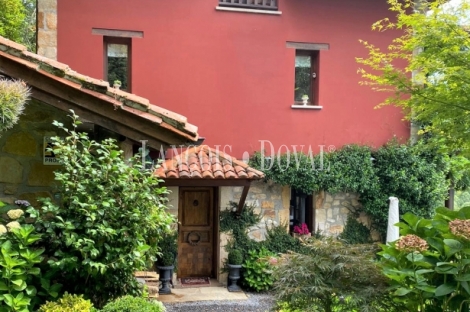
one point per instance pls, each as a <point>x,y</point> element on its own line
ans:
<point>255,303</point>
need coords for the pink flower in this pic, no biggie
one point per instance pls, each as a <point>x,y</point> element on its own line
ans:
<point>302,230</point>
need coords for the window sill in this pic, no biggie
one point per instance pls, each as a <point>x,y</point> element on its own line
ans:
<point>317,107</point>
<point>219,8</point>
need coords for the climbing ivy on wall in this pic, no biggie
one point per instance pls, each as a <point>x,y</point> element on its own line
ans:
<point>414,174</point>
<point>278,240</point>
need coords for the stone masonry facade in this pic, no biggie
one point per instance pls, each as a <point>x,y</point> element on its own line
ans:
<point>23,174</point>
<point>271,201</point>
<point>47,28</point>
<point>332,211</point>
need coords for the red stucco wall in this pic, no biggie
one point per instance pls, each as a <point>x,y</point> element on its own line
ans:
<point>231,73</point>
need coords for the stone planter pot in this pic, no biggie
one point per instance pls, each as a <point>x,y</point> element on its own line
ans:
<point>165,274</point>
<point>233,277</point>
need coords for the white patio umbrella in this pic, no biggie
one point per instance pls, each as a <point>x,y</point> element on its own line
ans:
<point>393,217</point>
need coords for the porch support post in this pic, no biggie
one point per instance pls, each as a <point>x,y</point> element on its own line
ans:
<point>243,199</point>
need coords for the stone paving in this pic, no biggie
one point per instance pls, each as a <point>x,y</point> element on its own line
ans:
<point>201,294</point>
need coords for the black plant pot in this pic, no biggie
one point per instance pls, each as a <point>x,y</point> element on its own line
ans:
<point>165,276</point>
<point>233,277</point>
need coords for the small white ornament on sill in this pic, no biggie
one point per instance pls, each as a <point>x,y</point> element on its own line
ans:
<point>305,99</point>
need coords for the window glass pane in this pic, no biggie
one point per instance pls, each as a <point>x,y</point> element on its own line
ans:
<point>303,82</point>
<point>118,64</point>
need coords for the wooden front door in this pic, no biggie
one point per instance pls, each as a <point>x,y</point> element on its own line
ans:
<point>196,232</point>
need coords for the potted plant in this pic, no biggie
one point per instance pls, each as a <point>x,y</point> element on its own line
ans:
<point>117,84</point>
<point>305,99</point>
<point>166,261</point>
<point>302,231</point>
<point>235,261</point>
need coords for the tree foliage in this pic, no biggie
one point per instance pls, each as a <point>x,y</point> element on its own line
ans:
<point>18,21</point>
<point>426,70</point>
<point>12,16</point>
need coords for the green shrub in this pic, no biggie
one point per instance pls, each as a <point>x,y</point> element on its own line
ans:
<point>169,248</point>
<point>68,303</point>
<point>278,240</point>
<point>410,174</point>
<point>238,225</point>
<point>355,232</point>
<point>428,267</point>
<point>23,285</point>
<point>235,257</point>
<point>133,304</point>
<point>284,306</point>
<point>231,221</point>
<point>258,269</point>
<point>109,220</point>
<point>328,275</point>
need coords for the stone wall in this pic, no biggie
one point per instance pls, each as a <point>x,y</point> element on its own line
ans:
<point>271,201</point>
<point>331,211</point>
<point>22,173</point>
<point>47,28</point>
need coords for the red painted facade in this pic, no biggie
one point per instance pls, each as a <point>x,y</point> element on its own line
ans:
<point>231,73</point>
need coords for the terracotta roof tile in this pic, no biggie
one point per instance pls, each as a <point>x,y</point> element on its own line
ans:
<point>205,162</point>
<point>140,107</point>
<point>217,167</point>
<point>207,175</point>
<point>242,174</point>
<point>172,174</point>
<point>183,174</point>
<point>28,64</point>
<point>230,175</point>
<point>219,174</point>
<point>196,175</point>
<point>11,47</point>
<point>206,167</point>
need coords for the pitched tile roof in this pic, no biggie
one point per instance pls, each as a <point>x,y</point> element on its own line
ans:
<point>173,124</point>
<point>203,162</point>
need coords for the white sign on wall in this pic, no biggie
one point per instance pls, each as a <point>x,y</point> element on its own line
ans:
<point>49,158</point>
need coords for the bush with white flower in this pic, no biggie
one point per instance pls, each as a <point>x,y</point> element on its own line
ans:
<point>22,285</point>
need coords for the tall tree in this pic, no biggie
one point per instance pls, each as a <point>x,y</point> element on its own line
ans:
<point>12,16</point>
<point>18,21</point>
<point>435,47</point>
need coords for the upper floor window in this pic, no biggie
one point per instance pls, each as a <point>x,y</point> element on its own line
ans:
<point>306,77</point>
<point>117,61</point>
<point>307,73</point>
<point>251,4</point>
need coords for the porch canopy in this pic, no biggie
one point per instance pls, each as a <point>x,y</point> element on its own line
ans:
<point>205,166</point>
<point>127,114</point>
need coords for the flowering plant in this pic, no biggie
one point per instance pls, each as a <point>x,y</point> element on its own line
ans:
<point>427,267</point>
<point>302,230</point>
